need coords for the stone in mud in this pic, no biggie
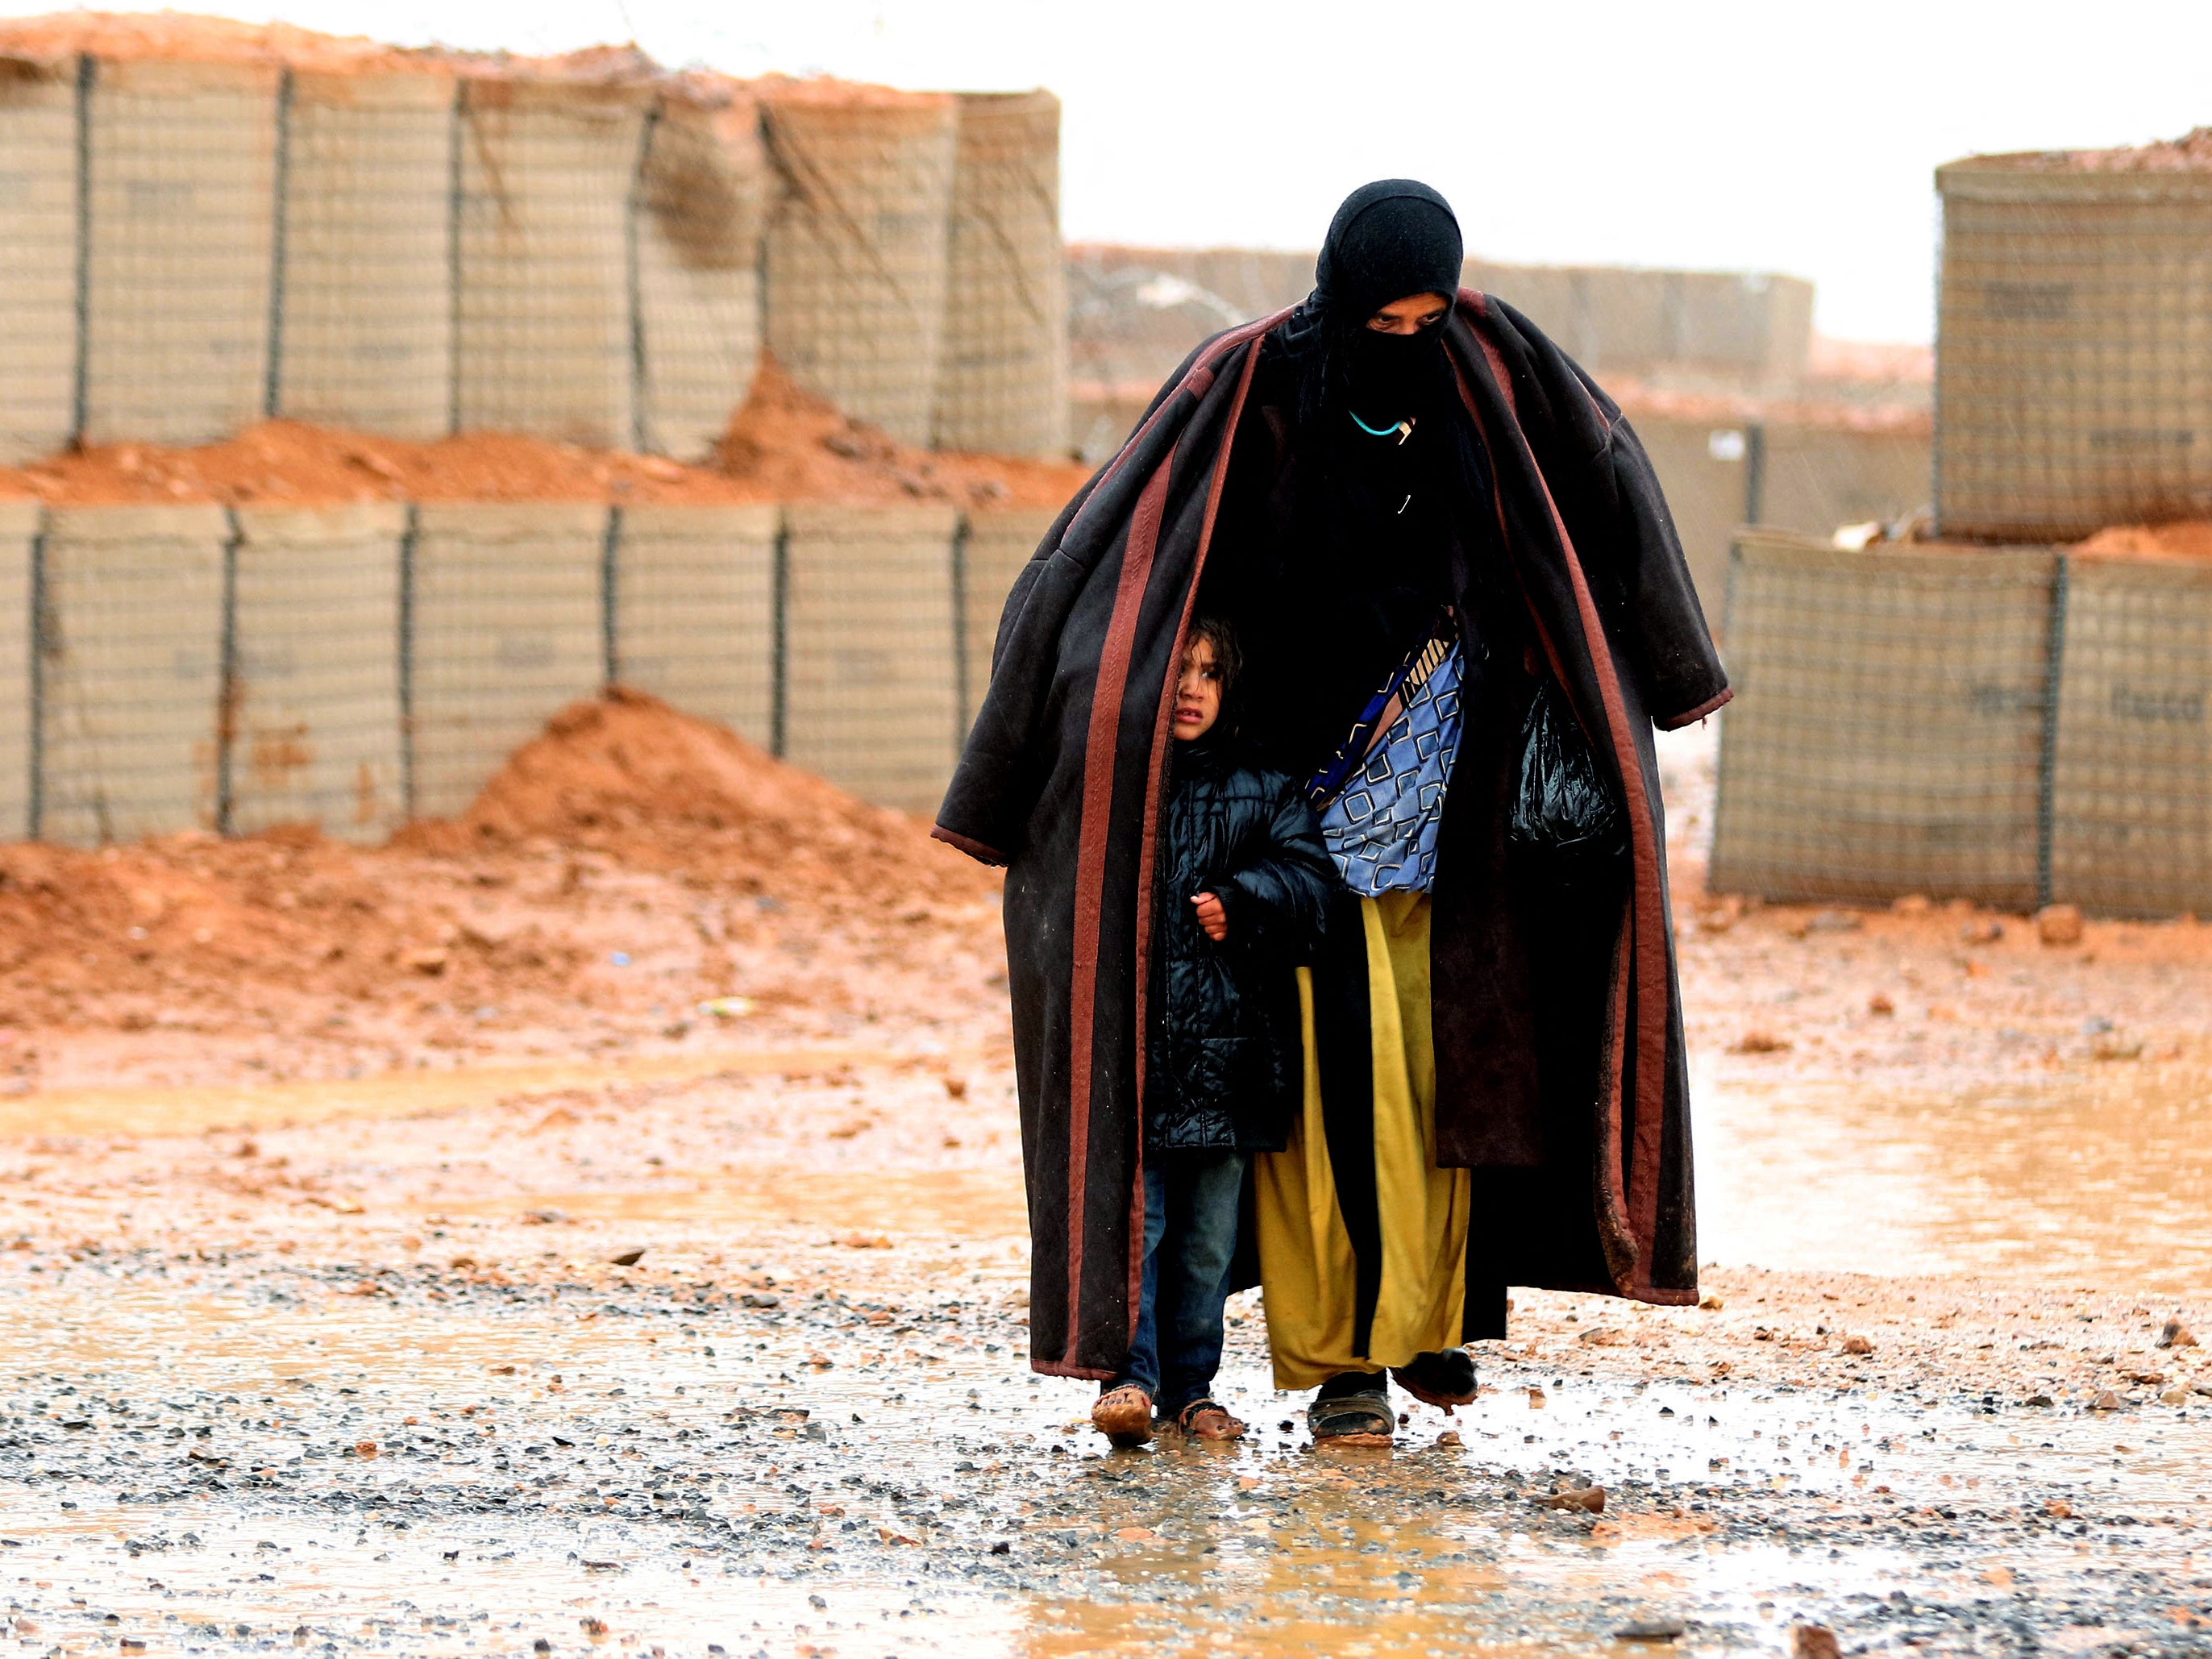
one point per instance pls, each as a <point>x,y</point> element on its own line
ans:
<point>2059,924</point>
<point>628,1258</point>
<point>2175,1396</point>
<point>1814,1642</point>
<point>2176,1335</point>
<point>2106,1401</point>
<point>1856,1344</point>
<point>1651,1630</point>
<point>1588,1500</point>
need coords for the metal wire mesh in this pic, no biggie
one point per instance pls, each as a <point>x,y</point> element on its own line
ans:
<point>505,606</point>
<point>694,610</point>
<point>38,256</point>
<point>2131,786</point>
<point>870,680</point>
<point>999,542</point>
<point>364,314</point>
<point>20,526</point>
<point>2074,348</point>
<point>181,224</point>
<point>315,732</point>
<point>543,322</point>
<point>698,246</point>
<point>856,250</point>
<point>130,641</point>
<point>1002,384</point>
<point>1887,735</point>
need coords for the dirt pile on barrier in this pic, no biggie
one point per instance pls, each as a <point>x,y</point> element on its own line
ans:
<point>2190,540</point>
<point>628,864</point>
<point>782,445</point>
<point>2190,153</point>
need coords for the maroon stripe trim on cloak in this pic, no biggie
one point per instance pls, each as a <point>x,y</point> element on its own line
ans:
<point>1154,782</point>
<point>1649,919</point>
<point>1091,858</point>
<point>1711,705</point>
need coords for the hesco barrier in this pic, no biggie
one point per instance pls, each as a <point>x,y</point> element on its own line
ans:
<point>870,673</point>
<point>995,545</point>
<point>542,268</point>
<point>351,666</point>
<point>38,257</point>
<point>694,610</point>
<point>856,250</point>
<point>131,635</point>
<point>702,188</point>
<point>21,525</point>
<point>2015,725</point>
<point>1002,382</point>
<point>2075,311</point>
<point>2132,778</point>
<point>362,325</point>
<point>505,626</point>
<point>314,732</point>
<point>1887,734</point>
<point>178,229</point>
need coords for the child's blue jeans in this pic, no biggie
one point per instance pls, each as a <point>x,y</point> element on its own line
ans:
<point>1191,1204</point>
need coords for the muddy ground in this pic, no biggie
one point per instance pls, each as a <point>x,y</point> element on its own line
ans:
<point>356,1363</point>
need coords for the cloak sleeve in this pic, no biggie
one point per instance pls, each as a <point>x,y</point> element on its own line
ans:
<point>1279,898</point>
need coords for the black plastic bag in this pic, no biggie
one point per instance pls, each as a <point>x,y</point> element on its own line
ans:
<point>1562,807</point>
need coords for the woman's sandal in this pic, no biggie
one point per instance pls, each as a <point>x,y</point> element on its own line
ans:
<point>1444,1379</point>
<point>1208,1419</point>
<point>1353,1420</point>
<point>1124,1415</point>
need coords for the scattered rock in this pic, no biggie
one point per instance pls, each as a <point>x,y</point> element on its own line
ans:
<point>2105,1400</point>
<point>2057,1508</point>
<point>957,1087</point>
<point>1449,1437</point>
<point>366,1449</point>
<point>2112,1046</point>
<point>1711,1305</point>
<point>2176,1335</point>
<point>1857,1345</point>
<point>2039,1400</point>
<point>1879,1003</point>
<point>1814,1642</point>
<point>761,1299</point>
<point>1760,1042</point>
<point>1587,1500</point>
<point>2059,924</point>
<point>628,1258</point>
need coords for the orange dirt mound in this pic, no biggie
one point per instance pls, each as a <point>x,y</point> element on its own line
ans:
<point>782,445</point>
<point>629,775</point>
<point>2167,541</point>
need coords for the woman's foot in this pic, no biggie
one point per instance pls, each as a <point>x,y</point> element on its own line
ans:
<point>1445,1379</point>
<point>1353,1409</point>
<point>1208,1419</point>
<point>1124,1415</point>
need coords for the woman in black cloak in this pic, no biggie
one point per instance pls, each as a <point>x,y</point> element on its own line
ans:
<point>1428,526</point>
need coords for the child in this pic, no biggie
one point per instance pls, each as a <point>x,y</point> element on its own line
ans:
<point>1244,881</point>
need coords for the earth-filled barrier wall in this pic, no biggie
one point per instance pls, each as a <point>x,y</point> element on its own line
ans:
<point>197,667</point>
<point>2013,725</point>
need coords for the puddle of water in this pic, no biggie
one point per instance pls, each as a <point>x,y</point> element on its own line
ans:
<point>2105,1185</point>
<point>193,1110</point>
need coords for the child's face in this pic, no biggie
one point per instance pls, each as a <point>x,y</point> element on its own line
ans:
<point>1198,693</point>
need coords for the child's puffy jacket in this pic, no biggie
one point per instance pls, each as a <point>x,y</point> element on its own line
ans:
<point>1223,1069</point>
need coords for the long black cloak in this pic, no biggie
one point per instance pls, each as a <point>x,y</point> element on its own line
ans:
<point>1582,1166</point>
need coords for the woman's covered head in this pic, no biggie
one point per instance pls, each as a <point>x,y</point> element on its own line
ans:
<point>1388,273</point>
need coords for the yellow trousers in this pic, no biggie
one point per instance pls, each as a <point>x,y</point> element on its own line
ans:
<point>1306,1263</point>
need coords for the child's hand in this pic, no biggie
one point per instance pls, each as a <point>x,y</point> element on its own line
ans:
<point>1212,916</point>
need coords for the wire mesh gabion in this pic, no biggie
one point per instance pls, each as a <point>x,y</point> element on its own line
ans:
<point>37,255</point>
<point>2131,786</point>
<point>364,319</point>
<point>1002,380</point>
<point>542,290</point>
<point>180,243</point>
<point>694,610</point>
<point>315,701</point>
<point>1889,729</point>
<point>2074,347</point>
<point>21,525</point>
<point>701,192</point>
<point>130,648</point>
<point>999,542</point>
<point>870,679</point>
<point>855,256</point>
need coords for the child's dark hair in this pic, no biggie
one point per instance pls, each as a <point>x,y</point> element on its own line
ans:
<point>1228,656</point>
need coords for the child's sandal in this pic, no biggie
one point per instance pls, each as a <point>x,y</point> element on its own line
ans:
<point>1124,1415</point>
<point>1208,1419</point>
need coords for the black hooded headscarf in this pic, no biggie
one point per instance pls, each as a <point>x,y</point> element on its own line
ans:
<point>1389,240</point>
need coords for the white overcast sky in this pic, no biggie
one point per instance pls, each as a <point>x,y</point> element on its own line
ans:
<point>1794,135</point>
